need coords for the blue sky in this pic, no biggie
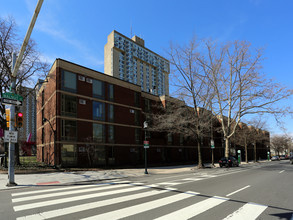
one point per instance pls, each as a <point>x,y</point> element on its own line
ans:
<point>77,30</point>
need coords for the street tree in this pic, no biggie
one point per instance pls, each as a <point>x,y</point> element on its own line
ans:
<point>31,66</point>
<point>232,71</point>
<point>253,132</point>
<point>279,143</point>
<point>187,114</point>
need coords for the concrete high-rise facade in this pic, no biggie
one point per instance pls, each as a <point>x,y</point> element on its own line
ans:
<point>129,60</point>
<point>29,115</point>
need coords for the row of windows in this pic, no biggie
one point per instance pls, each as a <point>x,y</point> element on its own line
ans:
<point>69,108</point>
<point>69,132</point>
<point>69,83</point>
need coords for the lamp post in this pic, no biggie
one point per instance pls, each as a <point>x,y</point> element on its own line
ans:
<point>54,132</point>
<point>145,125</point>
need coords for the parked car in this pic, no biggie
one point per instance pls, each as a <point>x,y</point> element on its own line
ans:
<point>291,159</point>
<point>274,158</point>
<point>282,157</point>
<point>228,162</point>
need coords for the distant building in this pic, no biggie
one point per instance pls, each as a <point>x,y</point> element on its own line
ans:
<point>129,60</point>
<point>28,131</point>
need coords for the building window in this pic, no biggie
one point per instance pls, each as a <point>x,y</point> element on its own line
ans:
<point>98,111</point>
<point>111,134</point>
<point>147,105</point>
<point>68,154</point>
<point>69,81</point>
<point>98,89</point>
<point>110,112</point>
<point>136,99</point>
<point>137,134</point>
<point>98,133</point>
<point>43,135</point>
<point>69,131</point>
<point>170,139</point>
<point>111,92</point>
<point>181,139</point>
<point>43,98</point>
<point>68,106</point>
<point>137,117</point>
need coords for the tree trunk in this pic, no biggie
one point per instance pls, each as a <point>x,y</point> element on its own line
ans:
<point>227,147</point>
<point>200,165</point>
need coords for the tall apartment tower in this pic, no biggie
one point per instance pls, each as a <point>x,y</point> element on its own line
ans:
<point>129,60</point>
<point>29,115</point>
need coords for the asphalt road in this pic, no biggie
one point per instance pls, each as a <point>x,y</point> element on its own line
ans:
<point>258,191</point>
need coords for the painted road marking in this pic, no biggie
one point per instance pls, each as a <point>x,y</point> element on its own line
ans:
<point>43,196</point>
<point>75,198</point>
<point>238,190</point>
<point>248,211</point>
<point>195,209</point>
<point>282,171</point>
<point>125,212</point>
<point>64,188</point>
<point>88,206</point>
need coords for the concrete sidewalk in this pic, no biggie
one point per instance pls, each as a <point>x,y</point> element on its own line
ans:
<point>54,178</point>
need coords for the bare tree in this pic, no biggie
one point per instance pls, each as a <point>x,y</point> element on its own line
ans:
<point>187,115</point>
<point>280,142</point>
<point>31,66</point>
<point>232,72</point>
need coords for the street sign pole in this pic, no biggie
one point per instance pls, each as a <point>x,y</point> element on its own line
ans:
<point>11,153</point>
<point>145,125</point>
<point>15,68</point>
<point>213,147</point>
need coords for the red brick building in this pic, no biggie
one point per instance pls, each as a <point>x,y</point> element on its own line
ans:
<point>88,119</point>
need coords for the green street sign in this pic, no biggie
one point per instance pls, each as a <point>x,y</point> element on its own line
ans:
<point>13,96</point>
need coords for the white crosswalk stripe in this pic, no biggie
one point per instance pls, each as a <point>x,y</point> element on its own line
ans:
<point>248,211</point>
<point>88,206</point>
<point>76,198</point>
<point>131,198</point>
<point>122,213</point>
<point>194,209</point>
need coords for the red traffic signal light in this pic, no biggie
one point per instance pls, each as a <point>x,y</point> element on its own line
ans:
<point>19,120</point>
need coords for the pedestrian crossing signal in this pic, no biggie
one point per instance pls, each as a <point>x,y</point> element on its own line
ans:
<point>7,113</point>
<point>19,120</point>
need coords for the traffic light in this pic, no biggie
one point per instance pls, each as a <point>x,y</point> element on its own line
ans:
<point>7,113</point>
<point>19,120</point>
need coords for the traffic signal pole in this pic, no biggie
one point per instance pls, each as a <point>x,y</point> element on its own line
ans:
<point>11,154</point>
<point>15,67</point>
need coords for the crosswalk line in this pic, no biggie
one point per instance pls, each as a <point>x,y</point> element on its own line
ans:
<point>75,198</point>
<point>43,196</point>
<point>169,183</point>
<point>195,209</point>
<point>88,206</point>
<point>50,190</point>
<point>63,188</point>
<point>136,209</point>
<point>192,179</point>
<point>248,211</point>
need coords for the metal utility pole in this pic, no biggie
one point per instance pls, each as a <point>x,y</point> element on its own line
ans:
<point>15,68</point>
<point>146,145</point>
